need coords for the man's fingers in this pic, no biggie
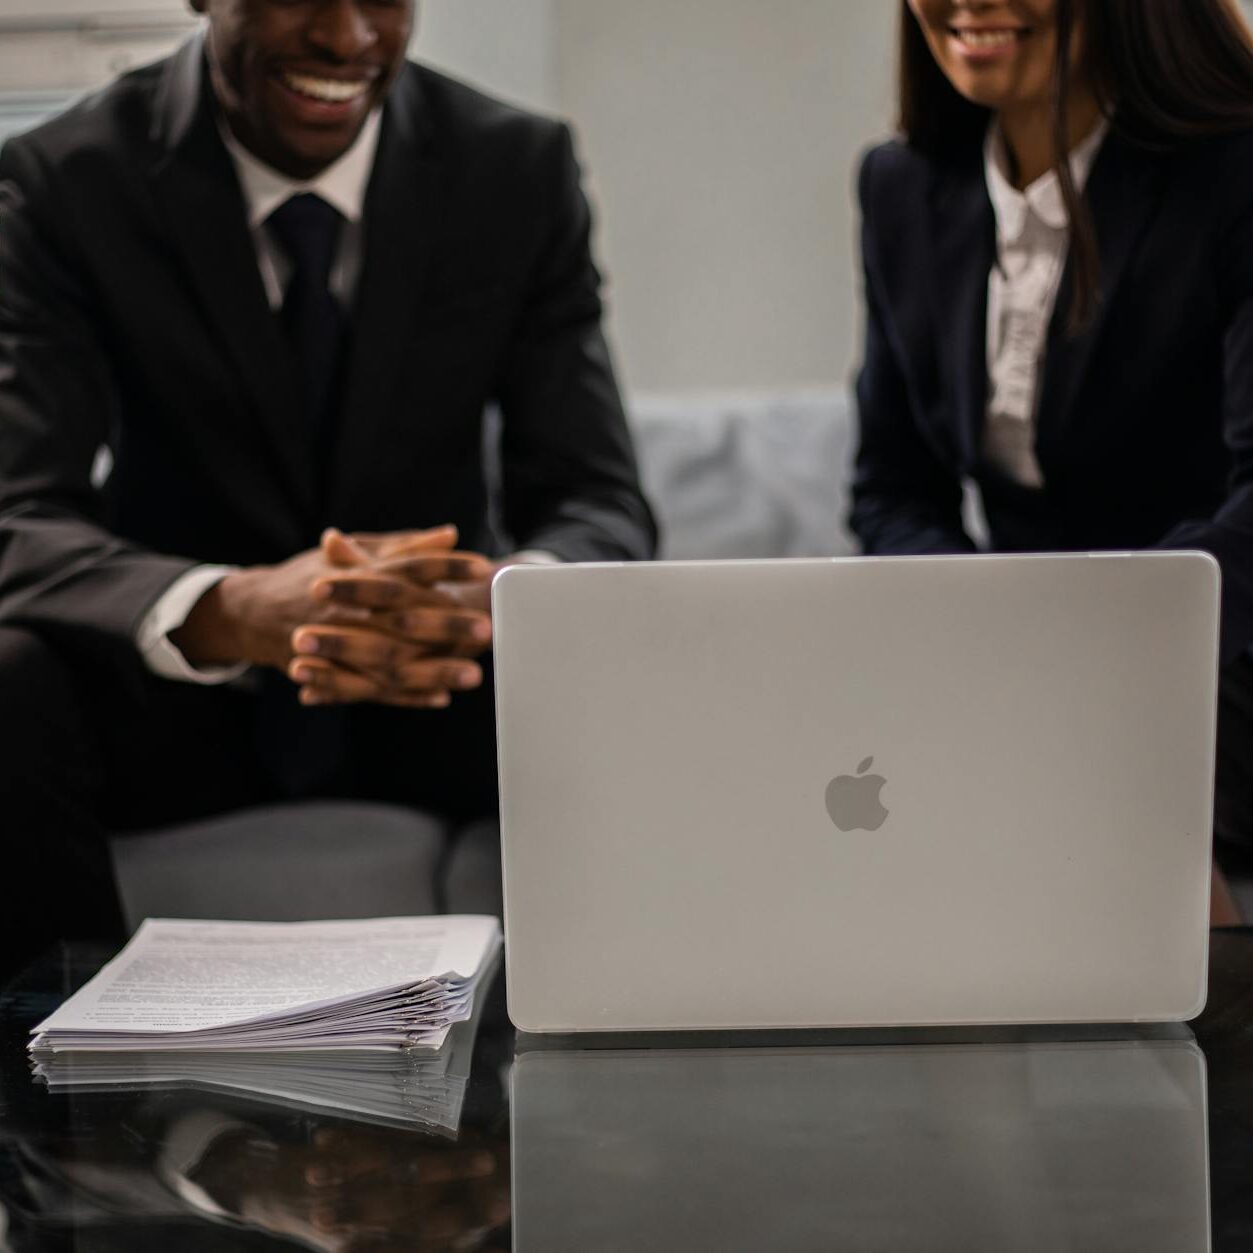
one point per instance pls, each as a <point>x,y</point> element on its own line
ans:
<point>383,544</point>
<point>424,683</point>
<point>363,590</point>
<point>457,628</point>
<point>324,684</point>
<point>342,550</point>
<point>435,675</point>
<point>403,543</point>
<point>428,569</point>
<point>384,635</point>
<point>385,657</point>
<point>407,582</point>
<point>362,649</point>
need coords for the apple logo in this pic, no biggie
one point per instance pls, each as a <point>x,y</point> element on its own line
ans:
<point>853,800</point>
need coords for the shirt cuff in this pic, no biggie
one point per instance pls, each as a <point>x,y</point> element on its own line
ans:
<point>169,613</point>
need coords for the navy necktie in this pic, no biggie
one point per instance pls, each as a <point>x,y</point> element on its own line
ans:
<point>304,748</point>
<point>308,230</point>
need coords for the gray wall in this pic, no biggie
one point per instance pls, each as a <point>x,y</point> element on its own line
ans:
<point>506,46</point>
<point>66,46</point>
<point>721,137</point>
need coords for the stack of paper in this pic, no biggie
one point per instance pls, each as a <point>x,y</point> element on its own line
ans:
<point>407,1087</point>
<point>385,983</point>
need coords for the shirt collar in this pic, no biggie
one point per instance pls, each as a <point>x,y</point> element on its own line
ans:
<point>1042,200</point>
<point>342,184</point>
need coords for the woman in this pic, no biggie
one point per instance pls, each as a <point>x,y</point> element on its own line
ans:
<point>1059,281</point>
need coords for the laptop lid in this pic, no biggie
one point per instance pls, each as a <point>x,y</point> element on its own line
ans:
<point>857,792</point>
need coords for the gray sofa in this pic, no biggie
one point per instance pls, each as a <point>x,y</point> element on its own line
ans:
<point>748,474</point>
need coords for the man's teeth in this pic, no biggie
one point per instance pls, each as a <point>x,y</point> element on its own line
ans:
<point>987,38</point>
<point>329,90</point>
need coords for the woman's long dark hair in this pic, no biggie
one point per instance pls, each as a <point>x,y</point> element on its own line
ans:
<point>1165,71</point>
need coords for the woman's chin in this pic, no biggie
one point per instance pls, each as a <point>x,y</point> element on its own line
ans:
<point>989,88</point>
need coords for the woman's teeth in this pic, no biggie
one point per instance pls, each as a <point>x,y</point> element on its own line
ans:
<point>328,90</point>
<point>986,38</point>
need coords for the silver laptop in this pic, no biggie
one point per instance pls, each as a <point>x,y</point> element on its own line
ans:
<point>857,792</point>
<point>1011,1148</point>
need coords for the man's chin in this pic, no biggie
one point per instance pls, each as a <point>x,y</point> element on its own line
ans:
<point>306,152</point>
<point>303,135</point>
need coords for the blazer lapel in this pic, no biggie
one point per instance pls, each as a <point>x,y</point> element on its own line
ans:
<point>964,234</point>
<point>196,185</point>
<point>400,224</point>
<point>1124,192</point>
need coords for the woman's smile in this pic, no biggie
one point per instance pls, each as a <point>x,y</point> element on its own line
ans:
<point>978,43</point>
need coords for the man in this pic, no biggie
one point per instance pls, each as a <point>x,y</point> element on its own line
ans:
<point>279,277</point>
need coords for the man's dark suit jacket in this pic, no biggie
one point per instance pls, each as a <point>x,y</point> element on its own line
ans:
<point>1145,423</point>
<point>132,315</point>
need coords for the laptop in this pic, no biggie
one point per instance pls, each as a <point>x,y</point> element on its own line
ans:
<point>1008,1148</point>
<point>857,792</point>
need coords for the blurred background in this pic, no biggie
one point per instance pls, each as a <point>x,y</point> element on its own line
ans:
<point>718,135</point>
<point>720,141</point>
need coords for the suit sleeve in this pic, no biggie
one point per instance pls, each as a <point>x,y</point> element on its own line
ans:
<point>569,477</point>
<point>62,573</point>
<point>906,501</point>
<point>1228,534</point>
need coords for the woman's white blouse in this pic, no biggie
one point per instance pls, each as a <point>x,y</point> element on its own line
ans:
<point>1032,239</point>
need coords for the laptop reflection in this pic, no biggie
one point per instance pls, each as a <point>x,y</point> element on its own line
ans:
<point>985,1148</point>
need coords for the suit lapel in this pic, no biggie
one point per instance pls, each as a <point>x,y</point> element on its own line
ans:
<point>196,185</point>
<point>964,234</point>
<point>1124,192</point>
<point>400,227</point>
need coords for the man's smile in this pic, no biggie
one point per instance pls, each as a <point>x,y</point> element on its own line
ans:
<point>297,79</point>
<point>320,87</point>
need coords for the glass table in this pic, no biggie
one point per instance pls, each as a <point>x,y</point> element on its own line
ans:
<point>1011,1140</point>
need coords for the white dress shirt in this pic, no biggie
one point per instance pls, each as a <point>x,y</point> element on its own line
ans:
<point>342,185</point>
<point>1032,239</point>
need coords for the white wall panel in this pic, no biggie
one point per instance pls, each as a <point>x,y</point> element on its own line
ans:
<point>506,47</point>
<point>721,136</point>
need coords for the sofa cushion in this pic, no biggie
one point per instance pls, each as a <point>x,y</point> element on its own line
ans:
<point>282,863</point>
<point>751,474</point>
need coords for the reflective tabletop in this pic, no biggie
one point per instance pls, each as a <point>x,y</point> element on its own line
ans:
<point>1049,1139</point>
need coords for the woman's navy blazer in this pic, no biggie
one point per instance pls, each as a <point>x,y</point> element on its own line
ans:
<point>1145,420</point>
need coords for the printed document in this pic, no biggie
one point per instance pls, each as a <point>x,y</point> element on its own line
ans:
<point>384,982</point>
